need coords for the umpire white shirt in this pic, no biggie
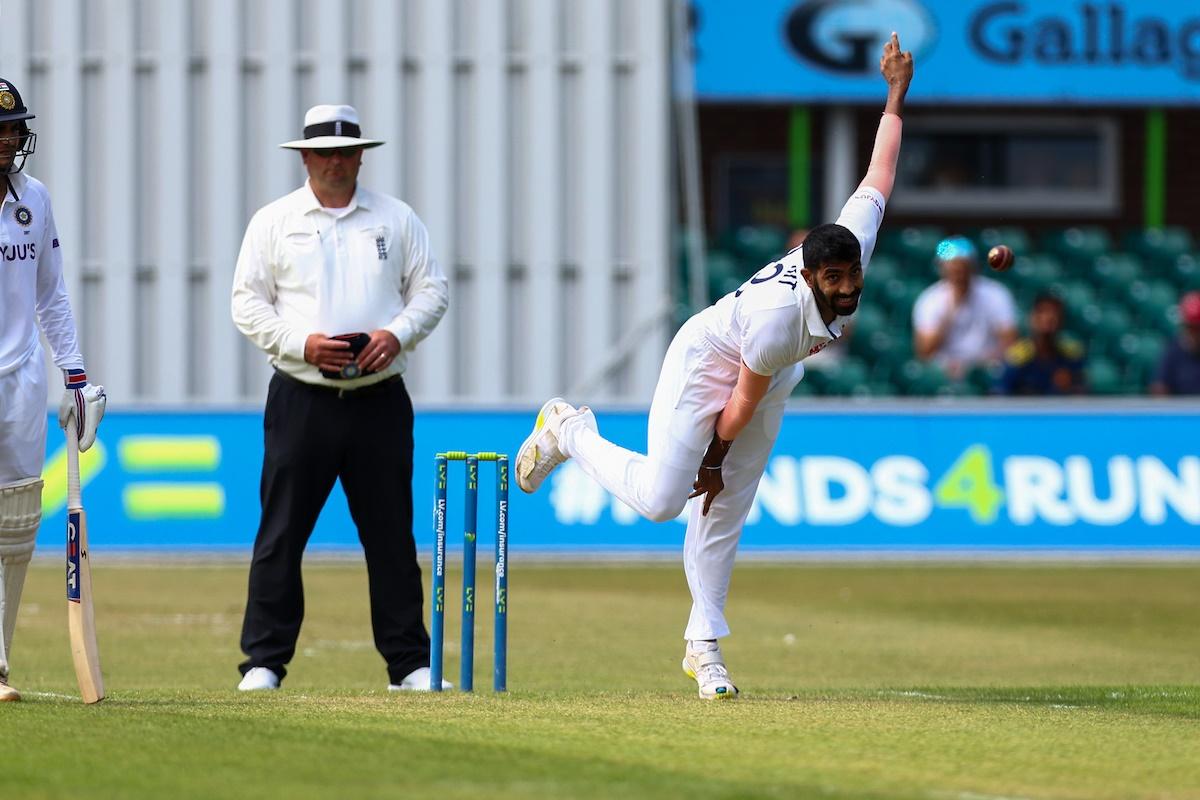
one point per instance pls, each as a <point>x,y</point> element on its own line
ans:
<point>306,269</point>
<point>31,281</point>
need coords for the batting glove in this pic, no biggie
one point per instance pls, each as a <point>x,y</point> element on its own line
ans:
<point>82,406</point>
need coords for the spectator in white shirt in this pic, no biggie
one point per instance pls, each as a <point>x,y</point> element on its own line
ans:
<point>964,320</point>
<point>336,283</point>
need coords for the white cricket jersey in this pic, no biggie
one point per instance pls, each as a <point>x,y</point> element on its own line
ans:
<point>32,292</point>
<point>772,321</point>
<point>306,269</point>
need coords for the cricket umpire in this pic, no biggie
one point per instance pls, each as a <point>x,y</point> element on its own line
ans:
<point>33,297</point>
<point>336,284</point>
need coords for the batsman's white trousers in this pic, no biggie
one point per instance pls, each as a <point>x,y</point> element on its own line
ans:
<point>22,455</point>
<point>23,420</point>
<point>694,385</point>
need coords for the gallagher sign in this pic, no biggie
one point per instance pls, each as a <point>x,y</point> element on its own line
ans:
<point>1015,51</point>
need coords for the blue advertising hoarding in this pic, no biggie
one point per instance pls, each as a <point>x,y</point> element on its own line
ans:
<point>974,51</point>
<point>851,480</point>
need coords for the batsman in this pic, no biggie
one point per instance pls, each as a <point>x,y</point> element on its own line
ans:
<point>34,297</point>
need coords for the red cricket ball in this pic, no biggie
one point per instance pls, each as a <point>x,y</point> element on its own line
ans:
<point>1000,257</point>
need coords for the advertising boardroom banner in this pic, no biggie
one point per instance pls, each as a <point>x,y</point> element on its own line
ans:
<point>1009,51</point>
<point>853,480</point>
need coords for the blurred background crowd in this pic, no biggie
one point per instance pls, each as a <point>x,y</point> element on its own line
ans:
<point>1037,126</point>
<point>1080,312</point>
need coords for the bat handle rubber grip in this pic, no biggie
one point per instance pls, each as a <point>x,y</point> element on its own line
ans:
<point>74,496</point>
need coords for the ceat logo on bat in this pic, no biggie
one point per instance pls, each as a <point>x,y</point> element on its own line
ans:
<point>73,557</point>
<point>845,36</point>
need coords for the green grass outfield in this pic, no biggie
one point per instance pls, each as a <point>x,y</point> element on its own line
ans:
<point>859,681</point>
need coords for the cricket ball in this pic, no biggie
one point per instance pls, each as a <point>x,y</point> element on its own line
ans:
<point>1000,257</point>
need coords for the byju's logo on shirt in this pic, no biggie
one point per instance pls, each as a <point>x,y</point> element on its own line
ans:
<point>18,252</point>
<point>845,35</point>
<point>381,248</point>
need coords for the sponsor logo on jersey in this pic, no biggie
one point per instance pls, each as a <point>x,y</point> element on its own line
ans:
<point>19,252</point>
<point>845,36</point>
<point>871,197</point>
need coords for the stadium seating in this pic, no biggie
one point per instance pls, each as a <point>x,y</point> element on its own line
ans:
<point>1033,274</point>
<point>1078,246</point>
<point>1114,271</point>
<point>1103,377</point>
<point>1184,273</point>
<point>1159,246</point>
<point>914,246</point>
<point>1120,295</point>
<point>1016,238</point>
<point>755,246</point>
<point>726,273</point>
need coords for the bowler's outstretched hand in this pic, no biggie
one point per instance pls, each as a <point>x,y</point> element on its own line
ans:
<point>896,65</point>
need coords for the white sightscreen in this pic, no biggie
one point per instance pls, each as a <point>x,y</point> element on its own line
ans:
<point>531,136</point>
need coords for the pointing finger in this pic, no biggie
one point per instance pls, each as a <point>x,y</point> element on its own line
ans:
<point>895,40</point>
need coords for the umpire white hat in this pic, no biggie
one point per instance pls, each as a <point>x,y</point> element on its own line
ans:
<point>327,127</point>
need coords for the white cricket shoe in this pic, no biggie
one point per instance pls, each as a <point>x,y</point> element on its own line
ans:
<point>417,681</point>
<point>258,679</point>
<point>7,693</point>
<point>702,661</point>
<point>540,454</point>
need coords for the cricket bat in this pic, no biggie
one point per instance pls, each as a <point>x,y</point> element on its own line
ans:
<point>81,616</point>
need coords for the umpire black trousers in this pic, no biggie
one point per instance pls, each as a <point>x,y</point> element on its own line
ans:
<point>313,436</point>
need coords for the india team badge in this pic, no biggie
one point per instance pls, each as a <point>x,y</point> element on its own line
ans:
<point>7,101</point>
<point>23,216</point>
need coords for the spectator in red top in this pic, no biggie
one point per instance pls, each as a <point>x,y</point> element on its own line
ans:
<point>1179,371</point>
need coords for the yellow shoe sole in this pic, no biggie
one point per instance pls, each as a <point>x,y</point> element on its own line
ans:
<point>691,673</point>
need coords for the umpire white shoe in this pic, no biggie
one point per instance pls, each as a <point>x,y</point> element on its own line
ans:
<point>702,661</point>
<point>540,453</point>
<point>417,681</point>
<point>258,679</point>
<point>7,693</point>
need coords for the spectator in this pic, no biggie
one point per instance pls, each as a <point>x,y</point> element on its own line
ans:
<point>1179,371</point>
<point>1046,362</point>
<point>963,320</point>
